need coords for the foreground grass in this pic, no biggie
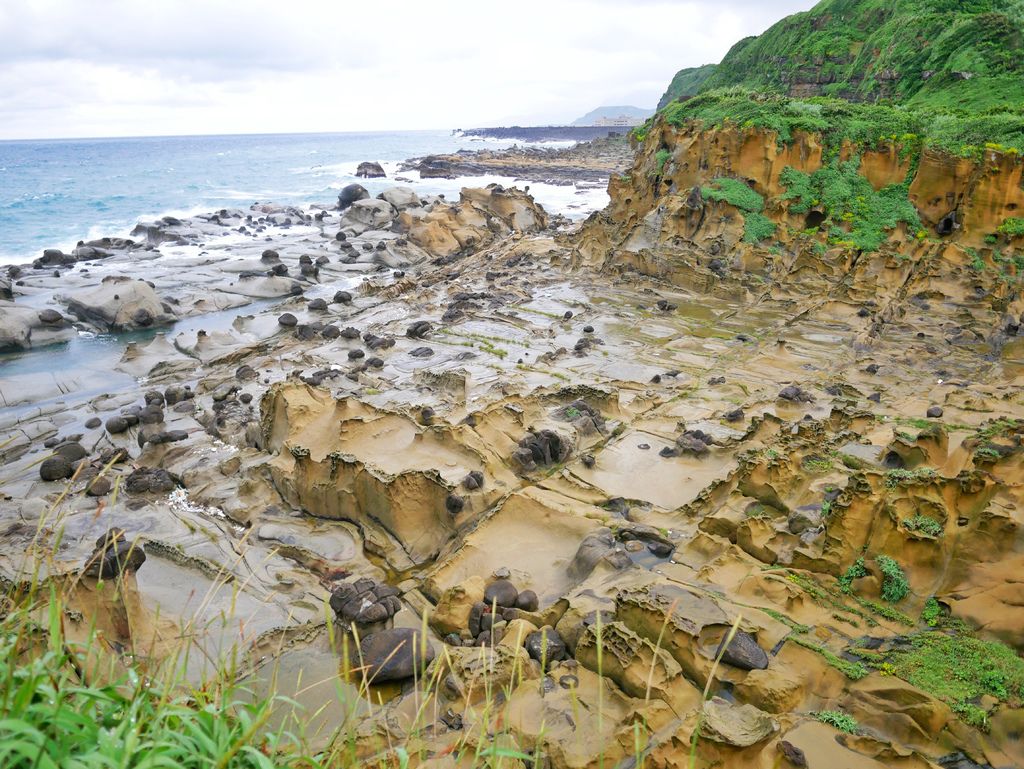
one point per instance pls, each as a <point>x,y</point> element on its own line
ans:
<point>54,716</point>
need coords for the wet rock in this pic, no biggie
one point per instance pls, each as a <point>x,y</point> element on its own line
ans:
<point>421,352</point>
<point>330,332</point>
<point>270,255</point>
<point>92,423</point>
<point>502,592</point>
<point>317,305</point>
<point>113,556</point>
<point>342,297</point>
<point>743,652</point>
<point>356,354</point>
<point>598,547</point>
<point>665,306</point>
<point>56,469</point>
<point>350,332</point>
<point>394,654</point>
<point>935,412</point>
<point>288,320</point>
<point>739,726</point>
<point>149,480</point>
<point>365,602</point>
<point>794,394</point>
<point>546,646</point>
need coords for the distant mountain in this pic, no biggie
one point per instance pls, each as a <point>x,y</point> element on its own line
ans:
<point>615,116</point>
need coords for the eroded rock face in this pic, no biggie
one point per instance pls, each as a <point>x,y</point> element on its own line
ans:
<point>378,472</point>
<point>480,216</point>
<point>739,726</point>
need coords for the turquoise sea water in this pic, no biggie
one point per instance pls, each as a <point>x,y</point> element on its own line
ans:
<point>55,193</point>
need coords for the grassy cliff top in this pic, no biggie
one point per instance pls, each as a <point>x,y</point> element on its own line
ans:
<point>955,131</point>
<point>964,54</point>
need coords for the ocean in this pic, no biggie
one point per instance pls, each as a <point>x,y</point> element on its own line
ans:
<point>54,193</point>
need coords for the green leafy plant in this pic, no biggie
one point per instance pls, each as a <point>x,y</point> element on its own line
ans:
<point>857,570</point>
<point>894,582</point>
<point>924,525</point>
<point>931,613</point>
<point>660,159</point>
<point>896,478</point>
<point>837,719</point>
<point>857,215</point>
<point>757,227</point>
<point>959,669</point>
<point>1012,227</point>
<point>735,193</point>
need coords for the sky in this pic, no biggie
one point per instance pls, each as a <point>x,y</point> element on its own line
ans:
<point>89,68</point>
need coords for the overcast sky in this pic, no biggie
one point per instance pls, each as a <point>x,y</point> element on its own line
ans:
<point>76,68</point>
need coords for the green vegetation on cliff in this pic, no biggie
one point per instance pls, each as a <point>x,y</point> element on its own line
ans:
<point>938,53</point>
<point>756,226</point>
<point>686,83</point>
<point>865,125</point>
<point>943,72</point>
<point>856,215</point>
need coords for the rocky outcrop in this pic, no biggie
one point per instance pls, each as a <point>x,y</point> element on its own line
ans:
<point>481,216</point>
<point>22,328</point>
<point>370,170</point>
<point>119,304</point>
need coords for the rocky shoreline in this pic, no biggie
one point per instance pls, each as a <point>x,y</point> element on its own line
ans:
<point>590,163</point>
<point>577,463</point>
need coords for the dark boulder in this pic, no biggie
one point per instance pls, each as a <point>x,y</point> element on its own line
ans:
<point>546,646</point>
<point>393,655</point>
<point>502,592</point>
<point>743,652</point>
<point>114,555</point>
<point>350,194</point>
<point>149,480</point>
<point>365,602</point>
<point>56,469</point>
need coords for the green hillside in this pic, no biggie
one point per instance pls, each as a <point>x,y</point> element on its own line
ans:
<point>686,83</point>
<point>964,55</point>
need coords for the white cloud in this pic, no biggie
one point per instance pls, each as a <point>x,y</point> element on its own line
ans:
<point>125,67</point>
